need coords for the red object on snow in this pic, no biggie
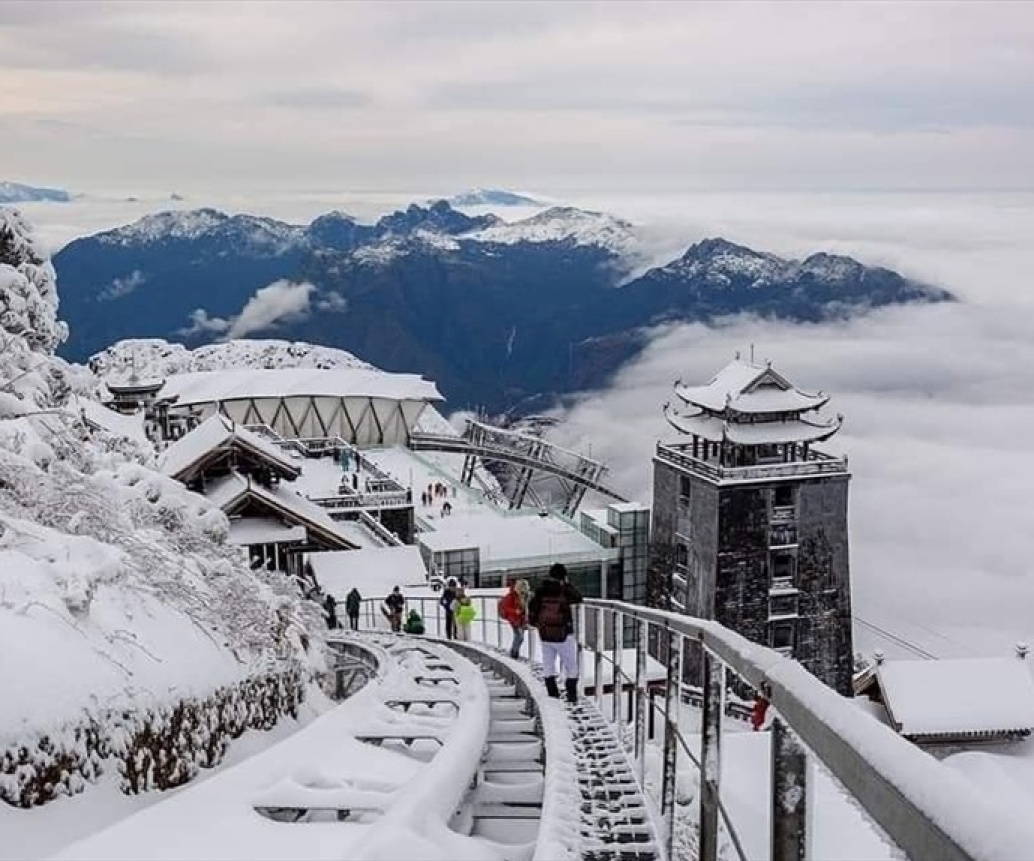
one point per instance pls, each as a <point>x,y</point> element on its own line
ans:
<point>757,715</point>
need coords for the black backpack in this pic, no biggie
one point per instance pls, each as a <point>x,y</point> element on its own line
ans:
<point>553,618</point>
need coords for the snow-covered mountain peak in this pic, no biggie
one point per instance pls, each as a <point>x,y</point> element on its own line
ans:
<point>17,192</point>
<point>438,217</point>
<point>566,224</point>
<point>334,215</point>
<point>492,197</point>
<point>184,224</point>
<point>720,260</point>
<point>830,267</point>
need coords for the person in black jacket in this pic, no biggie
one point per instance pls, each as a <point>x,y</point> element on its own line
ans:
<point>394,606</point>
<point>550,612</point>
<point>353,602</point>
<point>448,602</point>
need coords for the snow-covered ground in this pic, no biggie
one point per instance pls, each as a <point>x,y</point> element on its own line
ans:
<point>44,831</point>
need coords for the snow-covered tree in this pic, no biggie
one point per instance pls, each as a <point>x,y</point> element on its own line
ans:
<point>118,587</point>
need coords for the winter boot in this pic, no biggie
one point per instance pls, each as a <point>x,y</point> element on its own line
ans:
<point>551,687</point>
<point>571,686</point>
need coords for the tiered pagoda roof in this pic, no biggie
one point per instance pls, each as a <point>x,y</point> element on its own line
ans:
<point>750,405</point>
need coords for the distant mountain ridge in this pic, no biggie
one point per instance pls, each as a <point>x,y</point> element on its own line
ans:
<point>17,192</point>
<point>499,313</point>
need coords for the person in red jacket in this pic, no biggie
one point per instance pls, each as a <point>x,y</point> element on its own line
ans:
<point>513,609</point>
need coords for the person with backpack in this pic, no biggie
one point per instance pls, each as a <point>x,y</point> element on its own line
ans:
<point>513,609</point>
<point>353,601</point>
<point>447,601</point>
<point>550,612</point>
<point>394,605</point>
<point>466,612</point>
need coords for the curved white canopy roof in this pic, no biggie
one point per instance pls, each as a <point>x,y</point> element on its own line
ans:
<point>747,388</point>
<point>214,386</point>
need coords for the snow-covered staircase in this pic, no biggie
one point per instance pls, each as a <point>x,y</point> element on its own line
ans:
<point>615,822</point>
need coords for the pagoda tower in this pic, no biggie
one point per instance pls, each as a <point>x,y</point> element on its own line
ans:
<point>750,519</point>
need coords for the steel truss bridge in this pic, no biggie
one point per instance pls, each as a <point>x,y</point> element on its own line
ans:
<point>533,458</point>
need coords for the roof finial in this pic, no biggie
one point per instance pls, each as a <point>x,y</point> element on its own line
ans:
<point>752,354</point>
<point>737,355</point>
<point>1021,650</point>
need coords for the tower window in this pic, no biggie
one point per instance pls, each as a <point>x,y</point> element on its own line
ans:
<point>781,636</point>
<point>685,487</point>
<point>783,567</point>
<point>784,495</point>
<point>681,556</point>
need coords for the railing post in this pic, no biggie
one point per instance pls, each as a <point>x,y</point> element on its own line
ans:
<point>616,653</point>
<point>710,754</point>
<point>671,750</point>
<point>597,676</point>
<point>641,632</point>
<point>789,794</point>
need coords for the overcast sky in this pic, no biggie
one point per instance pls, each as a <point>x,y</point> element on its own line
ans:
<point>154,96</point>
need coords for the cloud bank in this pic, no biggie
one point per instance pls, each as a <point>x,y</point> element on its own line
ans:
<point>280,302</point>
<point>939,429</point>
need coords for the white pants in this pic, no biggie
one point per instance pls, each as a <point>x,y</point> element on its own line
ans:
<point>567,652</point>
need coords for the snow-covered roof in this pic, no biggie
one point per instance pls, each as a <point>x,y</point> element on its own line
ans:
<point>744,387</point>
<point>964,696</point>
<point>227,491</point>
<point>99,416</point>
<point>203,387</point>
<point>716,429</point>
<point>509,538</point>
<point>264,530</point>
<point>374,571</point>
<point>219,433</point>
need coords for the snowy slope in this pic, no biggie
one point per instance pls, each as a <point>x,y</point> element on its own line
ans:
<point>118,589</point>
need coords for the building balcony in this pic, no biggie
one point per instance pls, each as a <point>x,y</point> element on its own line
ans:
<point>680,456</point>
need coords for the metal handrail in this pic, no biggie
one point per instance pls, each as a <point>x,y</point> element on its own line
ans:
<point>920,813</point>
